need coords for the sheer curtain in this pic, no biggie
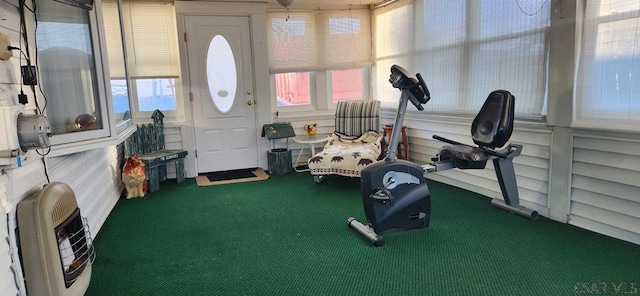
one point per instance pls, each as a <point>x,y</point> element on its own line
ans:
<point>465,50</point>
<point>608,88</point>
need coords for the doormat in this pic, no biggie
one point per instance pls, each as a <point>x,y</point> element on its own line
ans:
<point>231,176</point>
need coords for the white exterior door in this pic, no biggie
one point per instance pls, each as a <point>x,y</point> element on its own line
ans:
<point>221,75</point>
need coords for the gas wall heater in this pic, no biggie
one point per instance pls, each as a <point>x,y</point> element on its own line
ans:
<point>55,242</point>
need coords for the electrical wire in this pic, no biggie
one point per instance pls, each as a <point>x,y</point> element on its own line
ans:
<point>43,153</point>
<point>27,56</point>
<point>23,31</point>
<point>28,62</point>
<point>23,27</point>
<point>22,52</point>
<point>27,7</point>
<point>35,19</point>
<point>44,165</point>
<point>44,97</point>
<point>20,44</point>
<point>531,14</point>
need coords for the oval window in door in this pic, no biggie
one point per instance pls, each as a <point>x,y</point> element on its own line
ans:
<point>221,74</point>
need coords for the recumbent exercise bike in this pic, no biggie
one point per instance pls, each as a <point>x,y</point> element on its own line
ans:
<point>394,192</point>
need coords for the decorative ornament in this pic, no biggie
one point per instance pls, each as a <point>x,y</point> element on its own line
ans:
<point>86,122</point>
<point>311,129</point>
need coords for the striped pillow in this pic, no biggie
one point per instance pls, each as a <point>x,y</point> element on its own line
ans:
<point>354,118</point>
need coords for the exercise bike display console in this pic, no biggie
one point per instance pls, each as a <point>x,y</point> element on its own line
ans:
<point>394,192</point>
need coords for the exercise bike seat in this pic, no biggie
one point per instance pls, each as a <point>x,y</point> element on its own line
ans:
<point>493,125</point>
<point>463,156</point>
<point>491,128</point>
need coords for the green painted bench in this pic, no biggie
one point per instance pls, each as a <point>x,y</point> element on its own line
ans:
<point>148,143</point>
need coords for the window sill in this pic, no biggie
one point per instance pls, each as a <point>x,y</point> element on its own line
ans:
<point>70,148</point>
<point>415,115</point>
<point>292,115</point>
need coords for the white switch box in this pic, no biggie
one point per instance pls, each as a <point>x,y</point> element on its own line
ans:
<point>5,53</point>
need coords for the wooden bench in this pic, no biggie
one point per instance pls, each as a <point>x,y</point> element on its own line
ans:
<point>148,142</point>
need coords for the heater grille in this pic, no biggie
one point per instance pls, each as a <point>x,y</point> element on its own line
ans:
<point>74,244</point>
<point>55,242</point>
<point>62,209</point>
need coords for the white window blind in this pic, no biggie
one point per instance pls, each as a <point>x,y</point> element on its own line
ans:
<point>607,91</point>
<point>466,49</point>
<point>318,41</point>
<point>114,41</point>
<point>150,33</point>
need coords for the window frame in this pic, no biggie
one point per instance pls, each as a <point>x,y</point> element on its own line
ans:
<point>466,100</point>
<point>138,116</point>
<point>175,116</point>
<point>112,133</point>
<point>316,28</point>
<point>591,111</point>
<point>320,86</point>
<point>366,90</point>
<point>123,124</point>
<point>313,102</point>
<point>108,129</point>
<point>475,40</point>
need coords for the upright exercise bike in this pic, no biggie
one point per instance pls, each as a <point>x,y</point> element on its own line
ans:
<point>394,192</point>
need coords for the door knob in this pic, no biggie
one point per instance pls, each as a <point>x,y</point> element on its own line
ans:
<point>249,92</point>
<point>249,102</point>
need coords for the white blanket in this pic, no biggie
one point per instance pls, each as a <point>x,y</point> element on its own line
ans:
<point>346,156</point>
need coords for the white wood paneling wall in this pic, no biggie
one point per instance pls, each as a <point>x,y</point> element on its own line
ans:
<point>21,183</point>
<point>94,177</point>
<point>7,247</point>
<point>604,185</point>
<point>173,141</point>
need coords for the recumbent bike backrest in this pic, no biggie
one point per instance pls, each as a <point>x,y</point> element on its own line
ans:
<point>493,125</point>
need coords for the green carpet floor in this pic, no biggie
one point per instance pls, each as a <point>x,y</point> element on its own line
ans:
<point>289,236</point>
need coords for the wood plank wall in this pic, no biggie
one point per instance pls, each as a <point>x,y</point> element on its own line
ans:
<point>604,187</point>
